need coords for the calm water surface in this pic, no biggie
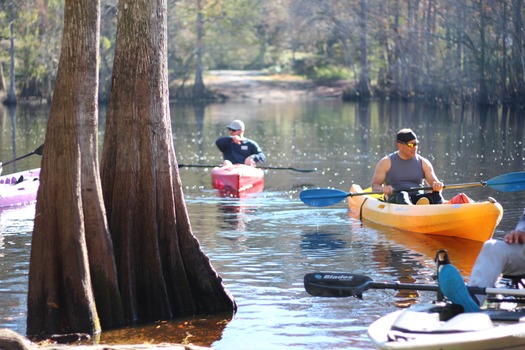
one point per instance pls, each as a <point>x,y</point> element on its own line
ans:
<point>263,245</point>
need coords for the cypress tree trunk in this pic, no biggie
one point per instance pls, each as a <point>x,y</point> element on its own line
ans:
<point>162,270</point>
<point>60,296</point>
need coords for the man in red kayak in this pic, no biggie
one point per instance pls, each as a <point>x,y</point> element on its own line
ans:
<point>237,149</point>
<point>405,169</point>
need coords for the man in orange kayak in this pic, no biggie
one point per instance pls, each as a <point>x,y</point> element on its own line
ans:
<point>400,171</point>
<point>237,149</point>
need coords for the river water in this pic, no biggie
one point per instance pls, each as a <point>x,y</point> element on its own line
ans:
<point>262,245</point>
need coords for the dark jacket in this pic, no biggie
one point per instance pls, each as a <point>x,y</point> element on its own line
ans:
<point>238,153</point>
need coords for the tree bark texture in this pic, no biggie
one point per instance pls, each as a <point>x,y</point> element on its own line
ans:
<point>69,218</point>
<point>162,270</point>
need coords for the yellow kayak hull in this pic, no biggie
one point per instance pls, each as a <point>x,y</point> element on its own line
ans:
<point>475,221</point>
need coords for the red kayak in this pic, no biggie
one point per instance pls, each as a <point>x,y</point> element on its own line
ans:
<point>19,188</point>
<point>237,180</point>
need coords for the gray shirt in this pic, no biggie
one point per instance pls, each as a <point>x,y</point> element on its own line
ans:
<point>404,174</point>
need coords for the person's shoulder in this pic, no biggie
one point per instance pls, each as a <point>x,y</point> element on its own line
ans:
<point>390,156</point>
<point>386,160</point>
<point>249,140</point>
<point>223,140</point>
<point>423,159</point>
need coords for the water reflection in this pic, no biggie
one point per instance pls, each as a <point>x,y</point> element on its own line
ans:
<point>234,213</point>
<point>200,331</point>
<point>15,237</point>
<point>462,251</point>
<point>263,244</point>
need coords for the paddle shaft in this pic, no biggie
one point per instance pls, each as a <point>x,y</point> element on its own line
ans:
<point>334,284</point>
<point>36,151</point>
<point>321,197</point>
<point>260,167</point>
<point>435,288</point>
<point>425,188</point>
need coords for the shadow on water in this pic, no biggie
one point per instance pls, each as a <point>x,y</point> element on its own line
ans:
<point>321,242</point>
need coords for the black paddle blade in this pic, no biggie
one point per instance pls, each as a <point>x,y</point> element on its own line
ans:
<point>39,150</point>
<point>321,284</point>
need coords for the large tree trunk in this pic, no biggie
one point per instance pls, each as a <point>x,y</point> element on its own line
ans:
<point>69,202</point>
<point>162,271</point>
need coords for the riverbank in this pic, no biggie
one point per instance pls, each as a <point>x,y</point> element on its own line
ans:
<point>260,86</point>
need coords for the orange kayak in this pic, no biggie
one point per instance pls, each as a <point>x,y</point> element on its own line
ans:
<point>475,221</point>
<point>238,179</point>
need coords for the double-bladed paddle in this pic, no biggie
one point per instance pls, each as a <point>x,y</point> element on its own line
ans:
<point>37,151</point>
<point>334,284</point>
<point>260,167</point>
<point>322,197</point>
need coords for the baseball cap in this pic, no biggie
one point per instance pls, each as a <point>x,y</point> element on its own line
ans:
<point>405,135</point>
<point>236,125</point>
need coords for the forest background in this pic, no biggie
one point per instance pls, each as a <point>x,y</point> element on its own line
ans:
<point>440,51</point>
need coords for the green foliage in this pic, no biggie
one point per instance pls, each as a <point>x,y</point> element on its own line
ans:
<point>319,68</point>
<point>105,43</point>
<point>37,31</point>
<point>331,73</point>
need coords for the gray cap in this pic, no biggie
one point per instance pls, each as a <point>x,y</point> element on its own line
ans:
<point>236,125</point>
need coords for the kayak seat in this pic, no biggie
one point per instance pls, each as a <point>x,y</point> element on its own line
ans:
<point>460,198</point>
<point>467,322</point>
<point>416,322</point>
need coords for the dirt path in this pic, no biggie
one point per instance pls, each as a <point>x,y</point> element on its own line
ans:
<point>256,85</point>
